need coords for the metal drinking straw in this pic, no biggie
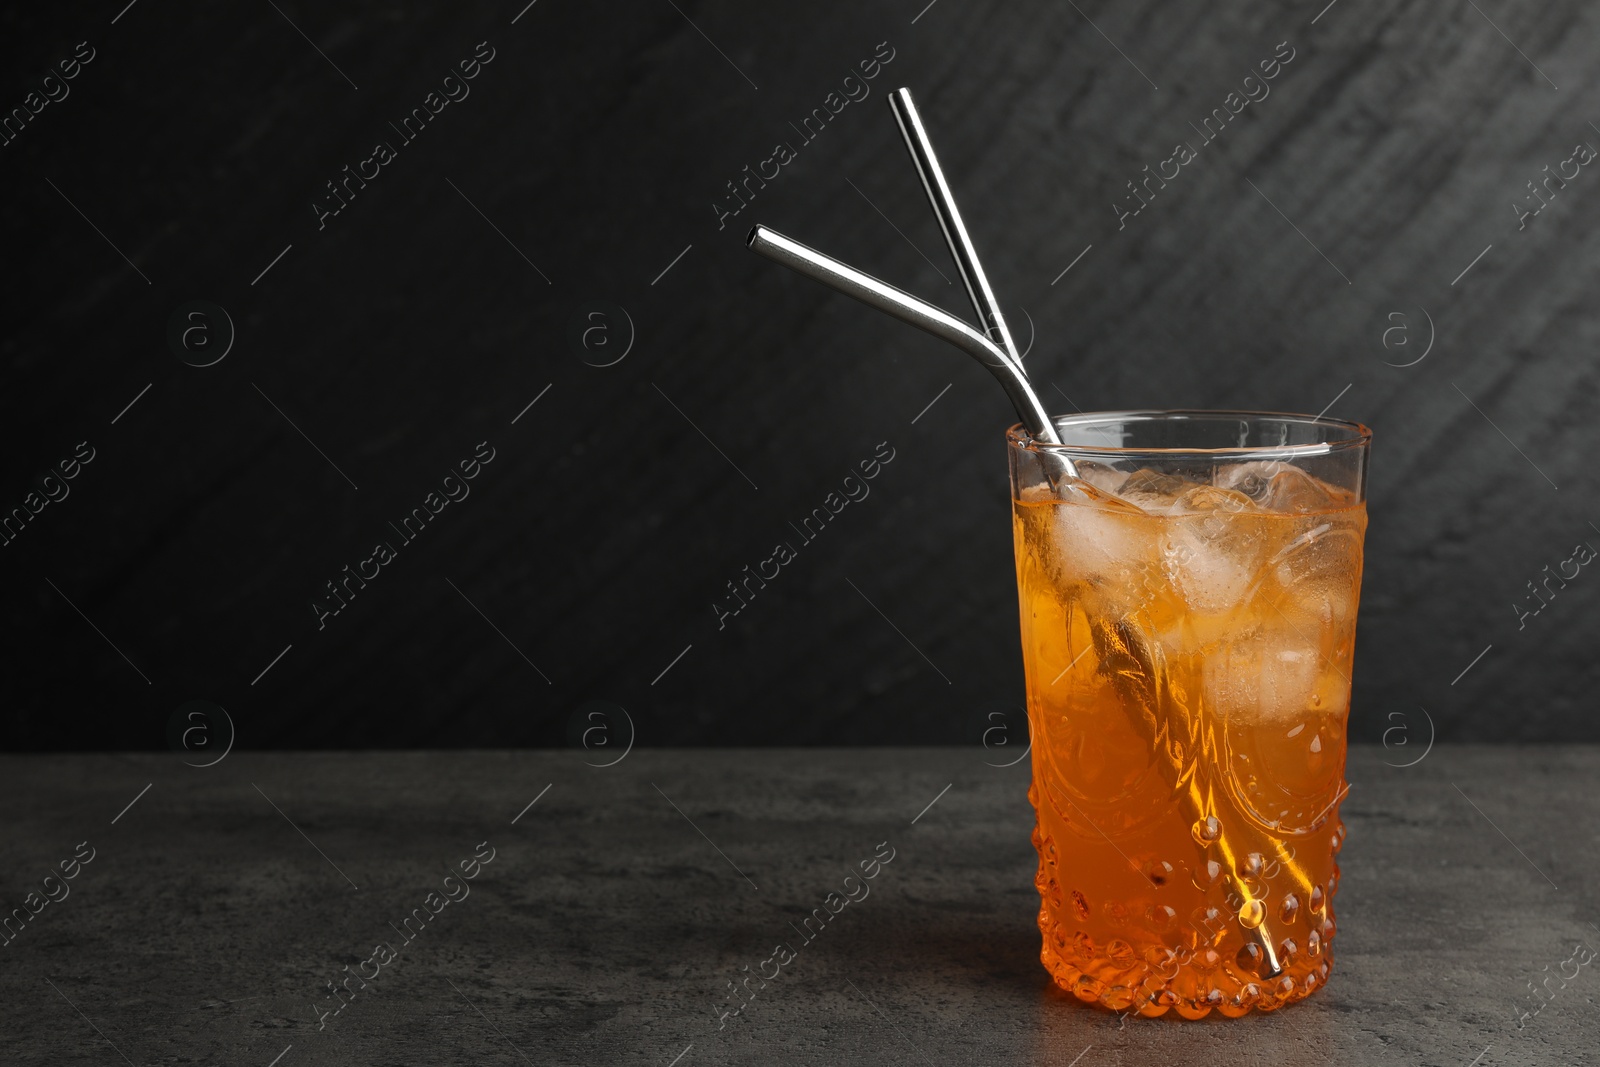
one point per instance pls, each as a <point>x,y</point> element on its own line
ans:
<point>919,313</point>
<point>949,216</point>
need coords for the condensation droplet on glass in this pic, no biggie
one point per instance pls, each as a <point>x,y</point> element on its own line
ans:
<point>1159,872</point>
<point>1206,874</point>
<point>1249,958</point>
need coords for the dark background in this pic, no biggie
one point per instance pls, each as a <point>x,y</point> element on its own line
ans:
<point>595,143</point>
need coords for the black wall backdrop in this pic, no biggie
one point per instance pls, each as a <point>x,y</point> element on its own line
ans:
<point>561,232</point>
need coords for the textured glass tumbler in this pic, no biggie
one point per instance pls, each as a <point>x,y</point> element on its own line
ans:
<point>1188,600</point>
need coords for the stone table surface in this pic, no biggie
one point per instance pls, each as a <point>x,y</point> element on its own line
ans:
<point>619,901</point>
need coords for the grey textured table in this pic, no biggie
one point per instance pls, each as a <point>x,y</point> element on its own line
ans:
<point>607,924</point>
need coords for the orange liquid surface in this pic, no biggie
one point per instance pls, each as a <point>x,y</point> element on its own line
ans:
<point>1188,685</point>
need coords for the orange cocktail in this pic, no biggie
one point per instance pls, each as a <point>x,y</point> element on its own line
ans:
<point>1188,600</point>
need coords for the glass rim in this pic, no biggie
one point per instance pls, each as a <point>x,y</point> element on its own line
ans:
<point>1358,436</point>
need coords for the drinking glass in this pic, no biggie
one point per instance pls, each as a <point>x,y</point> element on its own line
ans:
<point>1188,583</point>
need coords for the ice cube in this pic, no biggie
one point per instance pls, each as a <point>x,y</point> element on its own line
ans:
<point>1103,477</point>
<point>1113,546</point>
<point>1321,568</point>
<point>1152,490</point>
<point>1274,675</point>
<point>1210,553</point>
<point>1211,575</point>
<point>1192,634</point>
<point>1231,679</point>
<point>1210,498</point>
<point>1252,479</point>
<point>1290,670</point>
<point>1077,491</point>
<point>1294,492</point>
